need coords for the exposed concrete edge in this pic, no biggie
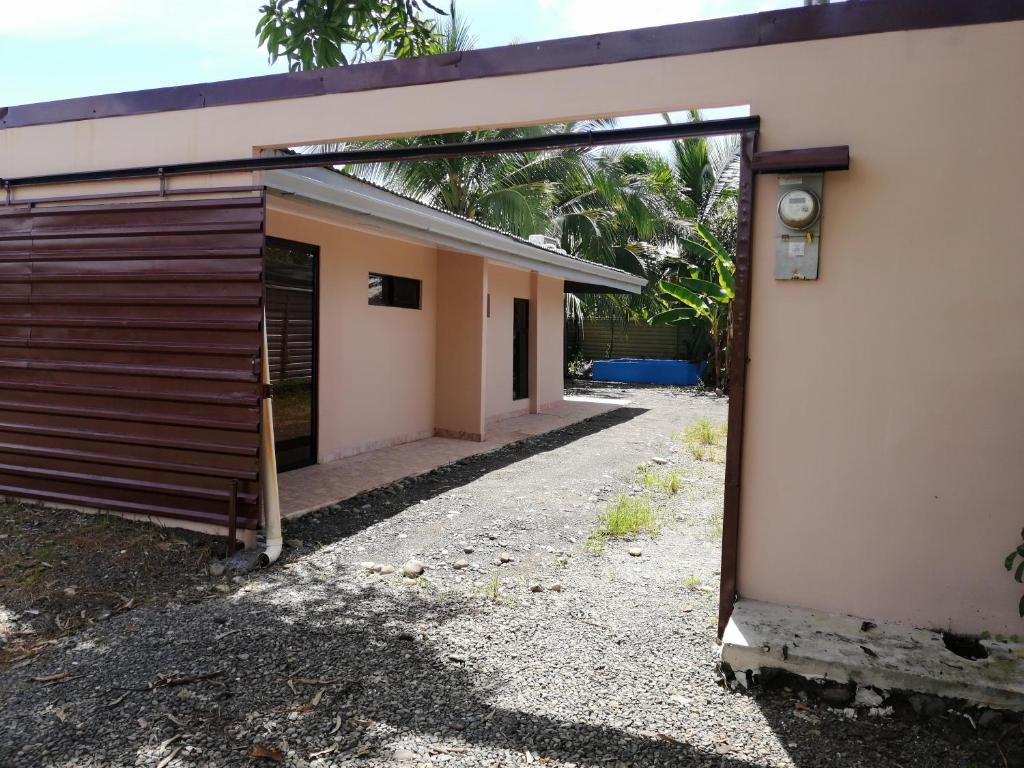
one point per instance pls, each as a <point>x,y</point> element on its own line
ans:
<point>884,655</point>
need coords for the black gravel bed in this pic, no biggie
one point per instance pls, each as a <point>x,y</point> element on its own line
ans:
<point>535,650</point>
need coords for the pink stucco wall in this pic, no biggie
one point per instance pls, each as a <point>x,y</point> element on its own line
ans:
<point>546,332</point>
<point>376,363</point>
<point>504,285</point>
<point>461,341</point>
<point>390,375</point>
<point>550,380</point>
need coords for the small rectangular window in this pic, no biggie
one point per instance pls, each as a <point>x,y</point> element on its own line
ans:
<point>392,291</point>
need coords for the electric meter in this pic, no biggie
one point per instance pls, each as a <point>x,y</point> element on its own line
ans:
<point>798,226</point>
<point>799,208</point>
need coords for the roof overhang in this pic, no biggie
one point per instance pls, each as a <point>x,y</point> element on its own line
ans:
<point>369,205</point>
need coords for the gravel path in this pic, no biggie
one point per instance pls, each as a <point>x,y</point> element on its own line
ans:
<point>321,662</point>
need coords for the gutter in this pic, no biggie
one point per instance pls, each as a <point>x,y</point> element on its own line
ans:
<point>372,206</point>
<point>268,465</point>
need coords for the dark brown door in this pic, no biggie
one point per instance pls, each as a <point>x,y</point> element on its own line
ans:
<point>520,349</point>
<point>291,302</point>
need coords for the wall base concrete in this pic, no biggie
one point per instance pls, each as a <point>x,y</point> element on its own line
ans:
<point>883,655</point>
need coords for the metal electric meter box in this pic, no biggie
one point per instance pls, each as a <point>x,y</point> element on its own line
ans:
<point>798,227</point>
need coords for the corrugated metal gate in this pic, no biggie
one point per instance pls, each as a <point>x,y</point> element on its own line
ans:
<point>604,338</point>
<point>129,356</point>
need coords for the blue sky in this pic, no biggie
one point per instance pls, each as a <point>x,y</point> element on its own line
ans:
<point>60,49</point>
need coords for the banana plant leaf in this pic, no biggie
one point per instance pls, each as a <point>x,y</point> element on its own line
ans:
<point>699,250</point>
<point>726,278</point>
<point>685,295</point>
<point>673,316</point>
<point>716,247</point>
<point>708,289</point>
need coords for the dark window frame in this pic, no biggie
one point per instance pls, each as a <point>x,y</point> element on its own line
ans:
<point>393,291</point>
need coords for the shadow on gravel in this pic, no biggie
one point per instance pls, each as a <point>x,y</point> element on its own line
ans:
<point>313,664</point>
<point>353,515</point>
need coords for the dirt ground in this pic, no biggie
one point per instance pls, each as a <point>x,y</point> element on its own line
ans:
<point>529,638</point>
<point>62,572</point>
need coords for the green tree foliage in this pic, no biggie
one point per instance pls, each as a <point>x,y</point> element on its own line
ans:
<point>313,34</point>
<point>612,209</point>
<point>705,172</point>
<point>703,297</point>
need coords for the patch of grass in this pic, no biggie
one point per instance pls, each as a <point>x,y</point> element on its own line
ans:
<point>491,590</point>
<point>595,543</point>
<point>627,518</point>
<point>705,441</point>
<point>692,582</point>
<point>648,477</point>
<point>667,481</point>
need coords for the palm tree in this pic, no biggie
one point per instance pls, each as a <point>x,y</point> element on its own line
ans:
<point>613,210</point>
<point>706,171</point>
<point>513,192</point>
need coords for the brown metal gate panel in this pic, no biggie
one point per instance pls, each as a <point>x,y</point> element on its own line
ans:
<point>129,356</point>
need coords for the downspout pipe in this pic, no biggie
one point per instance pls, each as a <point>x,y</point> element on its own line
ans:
<point>268,465</point>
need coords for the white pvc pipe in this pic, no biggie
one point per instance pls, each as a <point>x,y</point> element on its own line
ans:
<point>268,465</point>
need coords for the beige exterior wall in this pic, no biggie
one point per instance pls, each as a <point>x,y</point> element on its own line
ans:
<point>504,285</point>
<point>550,379</point>
<point>389,375</point>
<point>461,345</point>
<point>547,327</point>
<point>885,437</point>
<point>376,363</point>
<point>885,431</point>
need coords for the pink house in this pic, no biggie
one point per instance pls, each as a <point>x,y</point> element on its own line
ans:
<point>402,321</point>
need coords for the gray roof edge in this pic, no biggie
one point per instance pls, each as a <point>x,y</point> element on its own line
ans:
<point>416,219</point>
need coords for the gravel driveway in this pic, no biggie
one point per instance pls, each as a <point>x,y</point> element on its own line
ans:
<point>319,661</point>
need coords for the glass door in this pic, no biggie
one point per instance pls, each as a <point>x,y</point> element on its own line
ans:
<point>291,301</point>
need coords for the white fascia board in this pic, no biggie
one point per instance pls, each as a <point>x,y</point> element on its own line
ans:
<point>389,211</point>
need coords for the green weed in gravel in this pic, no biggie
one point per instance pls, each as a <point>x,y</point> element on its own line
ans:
<point>668,481</point>
<point>627,518</point>
<point>705,441</point>
<point>491,590</point>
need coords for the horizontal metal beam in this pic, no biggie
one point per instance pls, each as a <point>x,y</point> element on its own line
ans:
<point>812,160</point>
<point>610,136</point>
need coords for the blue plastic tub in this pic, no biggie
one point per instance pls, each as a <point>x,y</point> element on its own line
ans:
<point>633,371</point>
